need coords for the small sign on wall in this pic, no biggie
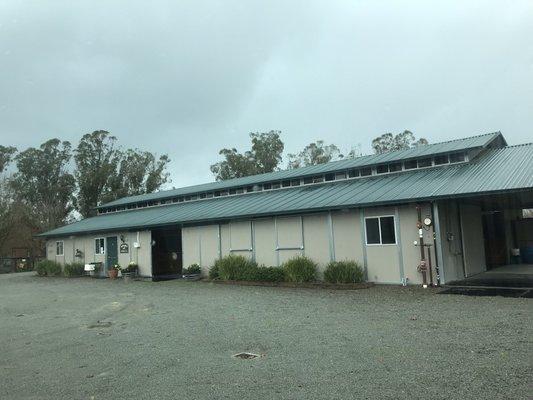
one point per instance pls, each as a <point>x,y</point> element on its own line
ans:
<point>124,248</point>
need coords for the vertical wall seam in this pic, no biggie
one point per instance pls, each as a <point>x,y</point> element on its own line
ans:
<point>199,245</point>
<point>277,240</point>
<point>363,241</point>
<point>461,231</point>
<point>219,241</point>
<point>252,233</point>
<point>302,230</point>
<point>229,235</point>
<point>331,238</point>
<point>398,229</point>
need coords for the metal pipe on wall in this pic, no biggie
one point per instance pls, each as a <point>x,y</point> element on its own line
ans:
<point>422,267</point>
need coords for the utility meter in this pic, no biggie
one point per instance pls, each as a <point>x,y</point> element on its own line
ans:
<point>427,221</point>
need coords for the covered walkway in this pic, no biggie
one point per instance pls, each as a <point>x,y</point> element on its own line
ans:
<point>517,276</point>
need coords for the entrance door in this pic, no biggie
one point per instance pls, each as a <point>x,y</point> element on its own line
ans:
<point>473,242</point>
<point>111,252</point>
<point>495,240</point>
<point>166,253</point>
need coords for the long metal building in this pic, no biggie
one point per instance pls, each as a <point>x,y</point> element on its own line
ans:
<point>467,199</point>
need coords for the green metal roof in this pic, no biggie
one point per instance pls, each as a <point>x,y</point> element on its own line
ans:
<point>497,170</point>
<point>469,143</point>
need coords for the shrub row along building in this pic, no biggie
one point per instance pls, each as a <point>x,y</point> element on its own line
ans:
<point>464,198</point>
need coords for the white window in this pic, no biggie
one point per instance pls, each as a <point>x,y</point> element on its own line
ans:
<point>380,230</point>
<point>59,248</point>
<point>99,246</point>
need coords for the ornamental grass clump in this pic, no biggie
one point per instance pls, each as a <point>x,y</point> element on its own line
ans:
<point>235,268</point>
<point>300,269</point>
<point>48,268</point>
<point>343,272</point>
<point>74,269</point>
<point>213,273</point>
<point>266,274</point>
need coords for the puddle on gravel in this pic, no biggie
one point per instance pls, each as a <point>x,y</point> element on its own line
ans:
<point>100,324</point>
<point>246,356</point>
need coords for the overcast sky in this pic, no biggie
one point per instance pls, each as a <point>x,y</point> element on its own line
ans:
<point>190,77</point>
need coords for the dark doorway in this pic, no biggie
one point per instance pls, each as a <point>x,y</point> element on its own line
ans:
<point>166,253</point>
<point>111,252</point>
<point>495,239</point>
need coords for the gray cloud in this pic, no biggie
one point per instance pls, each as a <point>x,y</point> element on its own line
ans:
<point>188,78</point>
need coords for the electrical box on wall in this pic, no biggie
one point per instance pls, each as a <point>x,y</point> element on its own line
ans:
<point>136,245</point>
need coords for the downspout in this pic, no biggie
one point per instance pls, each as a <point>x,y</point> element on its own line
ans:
<point>436,243</point>
<point>437,238</point>
<point>422,267</point>
<point>460,218</point>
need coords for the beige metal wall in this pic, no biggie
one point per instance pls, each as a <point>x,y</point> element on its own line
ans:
<point>347,235</point>
<point>190,242</point>
<point>265,241</point>
<point>200,246</point>
<point>289,238</point>
<point>317,244</point>
<point>86,244</point>
<point>338,235</point>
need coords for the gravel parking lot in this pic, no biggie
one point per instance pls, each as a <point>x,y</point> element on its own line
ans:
<point>99,339</point>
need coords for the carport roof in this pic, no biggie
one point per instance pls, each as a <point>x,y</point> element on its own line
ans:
<point>456,145</point>
<point>496,171</point>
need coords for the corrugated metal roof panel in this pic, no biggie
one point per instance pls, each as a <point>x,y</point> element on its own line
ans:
<point>420,151</point>
<point>509,168</point>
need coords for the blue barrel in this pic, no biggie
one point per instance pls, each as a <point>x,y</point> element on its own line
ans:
<point>527,254</point>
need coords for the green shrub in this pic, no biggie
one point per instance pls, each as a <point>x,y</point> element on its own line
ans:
<point>235,268</point>
<point>343,272</point>
<point>193,269</point>
<point>213,271</point>
<point>48,267</point>
<point>300,269</point>
<point>74,269</point>
<point>40,268</point>
<point>53,269</point>
<point>266,274</point>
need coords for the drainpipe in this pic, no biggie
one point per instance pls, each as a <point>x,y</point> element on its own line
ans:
<point>422,267</point>
<point>437,272</point>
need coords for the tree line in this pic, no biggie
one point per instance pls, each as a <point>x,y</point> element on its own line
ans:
<point>55,181</point>
<point>266,154</point>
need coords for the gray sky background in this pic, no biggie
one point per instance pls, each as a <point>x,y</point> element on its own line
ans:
<point>190,77</point>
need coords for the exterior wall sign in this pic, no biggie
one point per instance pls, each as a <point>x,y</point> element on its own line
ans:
<point>124,248</point>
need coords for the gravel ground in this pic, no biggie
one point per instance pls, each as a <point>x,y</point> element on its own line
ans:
<point>99,339</point>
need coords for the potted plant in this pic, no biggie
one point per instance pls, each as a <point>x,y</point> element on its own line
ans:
<point>192,272</point>
<point>113,271</point>
<point>130,271</point>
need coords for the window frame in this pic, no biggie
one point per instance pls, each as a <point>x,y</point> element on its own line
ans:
<point>62,248</point>
<point>99,254</point>
<point>365,171</point>
<point>457,154</point>
<point>378,217</point>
